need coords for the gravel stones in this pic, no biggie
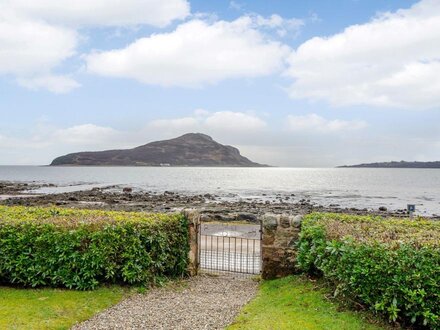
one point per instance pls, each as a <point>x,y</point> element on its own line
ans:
<point>201,302</point>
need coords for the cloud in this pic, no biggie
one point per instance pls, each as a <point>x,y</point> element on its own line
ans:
<point>179,124</point>
<point>37,36</point>
<point>46,141</point>
<point>282,26</point>
<point>391,61</point>
<point>234,121</point>
<point>262,143</point>
<point>87,134</point>
<point>102,12</point>
<point>10,142</point>
<point>314,123</point>
<point>29,47</point>
<point>196,53</point>
<point>212,122</point>
<point>52,83</point>
<point>91,135</point>
<point>236,5</point>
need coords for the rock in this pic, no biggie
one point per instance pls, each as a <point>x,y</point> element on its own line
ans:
<point>270,222</point>
<point>383,209</point>
<point>246,217</point>
<point>205,217</point>
<point>285,221</point>
<point>296,221</point>
<point>127,190</point>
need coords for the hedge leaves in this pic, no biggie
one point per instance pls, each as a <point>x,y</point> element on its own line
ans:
<point>390,265</point>
<point>81,249</point>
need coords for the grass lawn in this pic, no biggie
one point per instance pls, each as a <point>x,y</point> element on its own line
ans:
<point>53,308</point>
<point>294,303</point>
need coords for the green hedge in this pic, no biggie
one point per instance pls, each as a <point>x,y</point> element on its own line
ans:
<point>391,266</point>
<point>81,249</point>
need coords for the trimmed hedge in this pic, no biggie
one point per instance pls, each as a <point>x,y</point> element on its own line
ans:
<point>81,249</point>
<point>391,266</point>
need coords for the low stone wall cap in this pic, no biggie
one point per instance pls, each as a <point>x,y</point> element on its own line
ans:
<point>296,221</point>
<point>193,215</point>
<point>285,220</point>
<point>270,221</point>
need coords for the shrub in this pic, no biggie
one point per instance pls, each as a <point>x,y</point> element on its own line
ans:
<point>81,249</point>
<point>390,265</point>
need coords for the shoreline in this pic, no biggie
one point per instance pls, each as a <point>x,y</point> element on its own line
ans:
<point>212,207</point>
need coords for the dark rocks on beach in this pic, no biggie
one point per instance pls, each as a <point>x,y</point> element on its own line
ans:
<point>211,206</point>
<point>12,188</point>
<point>247,217</point>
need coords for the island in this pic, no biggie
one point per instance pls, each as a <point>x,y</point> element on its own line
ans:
<point>192,149</point>
<point>394,164</point>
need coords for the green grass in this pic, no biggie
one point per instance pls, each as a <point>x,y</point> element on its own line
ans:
<point>296,303</point>
<point>53,308</point>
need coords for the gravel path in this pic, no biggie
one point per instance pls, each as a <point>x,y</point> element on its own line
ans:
<point>202,302</point>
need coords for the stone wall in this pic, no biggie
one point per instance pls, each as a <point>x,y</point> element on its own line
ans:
<point>193,217</point>
<point>278,246</point>
<point>280,235</point>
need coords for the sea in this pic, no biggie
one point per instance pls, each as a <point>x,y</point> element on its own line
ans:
<point>361,188</point>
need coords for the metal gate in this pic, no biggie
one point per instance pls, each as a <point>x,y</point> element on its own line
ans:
<point>226,247</point>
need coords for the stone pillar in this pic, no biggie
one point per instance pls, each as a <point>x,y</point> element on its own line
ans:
<point>193,217</point>
<point>280,235</point>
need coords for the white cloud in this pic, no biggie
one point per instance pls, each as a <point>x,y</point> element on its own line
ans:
<point>47,141</point>
<point>102,12</point>
<point>314,123</point>
<point>282,25</point>
<point>87,134</point>
<point>31,49</point>
<point>201,112</point>
<point>179,124</point>
<point>95,136</point>
<point>31,46</point>
<point>234,121</point>
<point>37,36</point>
<point>196,53</point>
<point>45,135</point>
<point>235,5</point>
<point>394,60</point>
<point>52,83</point>
<point>215,122</point>
<point>10,142</point>
<point>270,144</point>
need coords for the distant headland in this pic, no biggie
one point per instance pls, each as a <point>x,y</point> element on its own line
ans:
<point>401,164</point>
<point>192,149</point>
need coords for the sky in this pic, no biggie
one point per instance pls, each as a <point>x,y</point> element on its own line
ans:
<point>290,83</point>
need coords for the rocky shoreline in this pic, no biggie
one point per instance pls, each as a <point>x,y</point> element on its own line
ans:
<point>212,207</point>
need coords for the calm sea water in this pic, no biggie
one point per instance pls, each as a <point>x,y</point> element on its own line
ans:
<point>361,188</point>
